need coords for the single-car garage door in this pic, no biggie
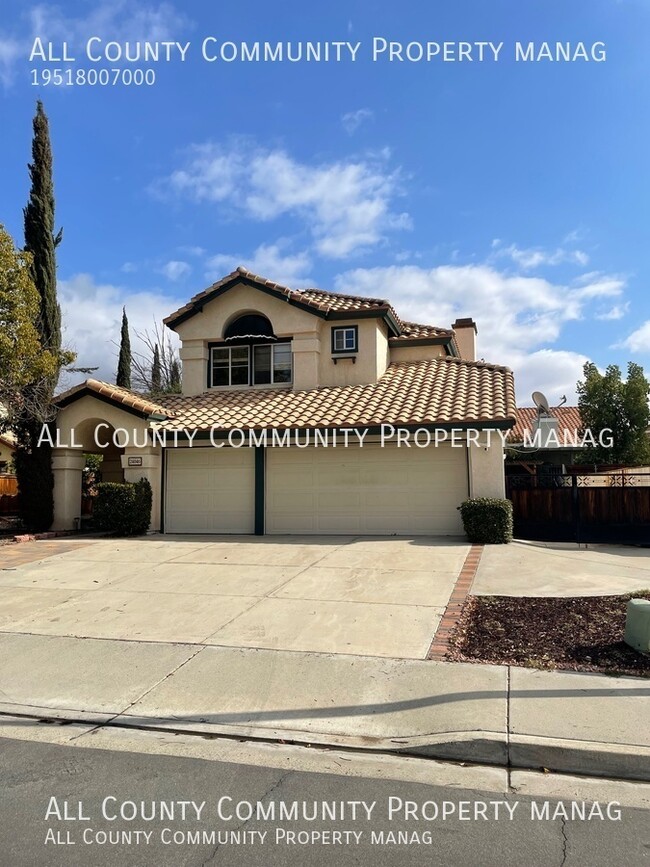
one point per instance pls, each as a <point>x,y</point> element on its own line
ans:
<point>210,490</point>
<point>382,491</point>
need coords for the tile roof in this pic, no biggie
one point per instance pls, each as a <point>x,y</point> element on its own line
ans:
<point>116,394</point>
<point>319,301</point>
<point>443,390</point>
<point>568,417</point>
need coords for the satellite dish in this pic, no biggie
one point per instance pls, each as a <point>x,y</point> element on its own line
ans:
<point>541,403</point>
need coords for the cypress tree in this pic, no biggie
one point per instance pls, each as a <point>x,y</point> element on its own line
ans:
<point>123,377</point>
<point>40,239</point>
<point>156,371</point>
<point>34,462</point>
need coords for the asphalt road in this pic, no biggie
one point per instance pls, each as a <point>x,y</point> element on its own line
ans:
<point>83,789</point>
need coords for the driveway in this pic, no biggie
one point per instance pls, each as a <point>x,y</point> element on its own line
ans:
<point>353,595</point>
<point>561,569</point>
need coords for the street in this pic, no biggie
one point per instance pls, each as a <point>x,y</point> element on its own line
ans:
<point>74,795</point>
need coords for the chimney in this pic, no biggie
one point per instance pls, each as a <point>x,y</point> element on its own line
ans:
<point>466,332</point>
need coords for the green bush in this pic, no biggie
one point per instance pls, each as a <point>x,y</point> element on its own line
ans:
<point>123,508</point>
<point>487,520</point>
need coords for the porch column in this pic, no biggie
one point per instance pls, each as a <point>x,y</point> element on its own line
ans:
<point>67,466</point>
<point>146,463</point>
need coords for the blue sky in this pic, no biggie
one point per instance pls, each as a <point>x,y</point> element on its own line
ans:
<point>516,193</point>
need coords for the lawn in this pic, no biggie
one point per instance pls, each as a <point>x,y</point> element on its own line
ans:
<point>583,633</point>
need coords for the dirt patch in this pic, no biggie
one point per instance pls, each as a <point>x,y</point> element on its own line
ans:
<point>583,633</point>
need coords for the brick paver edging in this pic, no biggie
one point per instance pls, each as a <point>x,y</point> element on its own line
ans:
<point>51,534</point>
<point>463,585</point>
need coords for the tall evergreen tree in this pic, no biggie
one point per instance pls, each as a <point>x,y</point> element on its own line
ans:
<point>40,239</point>
<point>124,363</point>
<point>156,371</point>
<point>34,462</point>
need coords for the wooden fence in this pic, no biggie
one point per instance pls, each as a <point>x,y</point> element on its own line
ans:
<point>8,484</point>
<point>580,508</point>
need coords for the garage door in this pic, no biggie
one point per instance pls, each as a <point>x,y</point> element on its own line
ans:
<point>373,490</point>
<point>210,490</point>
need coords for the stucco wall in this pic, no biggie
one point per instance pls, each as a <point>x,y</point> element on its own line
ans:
<point>486,470</point>
<point>415,353</point>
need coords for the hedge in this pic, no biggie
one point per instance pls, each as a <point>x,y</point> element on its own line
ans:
<point>487,520</point>
<point>123,508</point>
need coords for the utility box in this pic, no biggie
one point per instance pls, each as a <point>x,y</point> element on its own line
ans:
<point>637,625</point>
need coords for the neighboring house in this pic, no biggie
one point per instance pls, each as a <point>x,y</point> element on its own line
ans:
<point>564,425</point>
<point>258,356</point>
<point>7,448</point>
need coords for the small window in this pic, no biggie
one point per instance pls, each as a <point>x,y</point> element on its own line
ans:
<point>345,339</point>
<point>230,365</point>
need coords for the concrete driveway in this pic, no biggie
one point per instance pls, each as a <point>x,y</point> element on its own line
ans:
<point>355,595</point>
<point>561,569</point>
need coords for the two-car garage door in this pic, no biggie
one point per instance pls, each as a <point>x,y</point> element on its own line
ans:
<point>370,490</point>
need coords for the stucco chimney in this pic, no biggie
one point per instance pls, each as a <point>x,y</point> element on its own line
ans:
<point>466,332</point>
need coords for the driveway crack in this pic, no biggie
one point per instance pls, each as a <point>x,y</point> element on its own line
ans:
<point>140,697</point>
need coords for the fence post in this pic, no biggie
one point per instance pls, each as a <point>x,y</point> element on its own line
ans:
<point>575,503</point>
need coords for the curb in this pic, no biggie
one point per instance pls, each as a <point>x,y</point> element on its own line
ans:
<point>563,756</point>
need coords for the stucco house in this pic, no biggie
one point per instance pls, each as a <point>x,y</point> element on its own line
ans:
<point>299,367</point>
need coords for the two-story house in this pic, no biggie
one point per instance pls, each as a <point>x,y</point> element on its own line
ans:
<point>289,397</point>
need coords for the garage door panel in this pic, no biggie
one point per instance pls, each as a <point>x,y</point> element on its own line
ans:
<point>210,490</point>
<point>366,490</point>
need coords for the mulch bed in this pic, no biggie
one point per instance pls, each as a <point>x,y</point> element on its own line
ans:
<point>583,633</point>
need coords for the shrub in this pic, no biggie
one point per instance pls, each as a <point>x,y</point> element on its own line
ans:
<point>123,508</point>
<point>487,520</point>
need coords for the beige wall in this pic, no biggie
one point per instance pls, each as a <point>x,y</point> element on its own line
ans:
<point>486,472</point>
<point>416,353</point>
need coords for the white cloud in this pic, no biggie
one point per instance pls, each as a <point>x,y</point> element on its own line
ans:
<point>119,20</point>
<point>530,258</point>
<point>268,260</point>
<point>176,270</point>
<point>352,120</point>
<point>92,314</point>
<point>192,251</point>
<point>347,205</point>
<point>618,311</point>
<point>638,340</point>
<point>517,316</point>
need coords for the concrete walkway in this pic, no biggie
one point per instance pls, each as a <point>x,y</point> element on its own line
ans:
<point>572,722</point>
<point>561,569</point>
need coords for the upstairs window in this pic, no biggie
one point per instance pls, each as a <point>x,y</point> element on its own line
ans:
<point>259,364</point>
<point>345,339</point>
<point>272,364</point>
<point>230,365</point>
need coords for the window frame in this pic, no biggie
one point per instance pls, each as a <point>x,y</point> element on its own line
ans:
<point>344,328</point>
<point>250,348</point>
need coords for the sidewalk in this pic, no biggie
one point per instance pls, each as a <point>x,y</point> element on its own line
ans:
<point>564,721</point>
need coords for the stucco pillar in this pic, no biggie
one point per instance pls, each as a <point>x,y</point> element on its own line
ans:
<point>194,355</point>
<point>146,463</point>
<point>67,467</point>
<point>486,471</point>
<point>306,361</point>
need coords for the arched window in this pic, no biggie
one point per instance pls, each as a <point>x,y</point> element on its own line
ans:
<point>250,355</point>
<point>249,327</point>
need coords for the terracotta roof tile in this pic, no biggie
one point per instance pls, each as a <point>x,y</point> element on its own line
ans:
<point>116,394</point>
<point>568,417</point>
<point>436,391</point>
<point>318,300</point>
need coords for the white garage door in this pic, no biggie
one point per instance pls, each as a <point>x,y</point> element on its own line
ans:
<point>210,490</point>
<point>371,490</point>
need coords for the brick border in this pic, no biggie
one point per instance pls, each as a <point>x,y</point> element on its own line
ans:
<point>440,642</point>
<point>51,534</point>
